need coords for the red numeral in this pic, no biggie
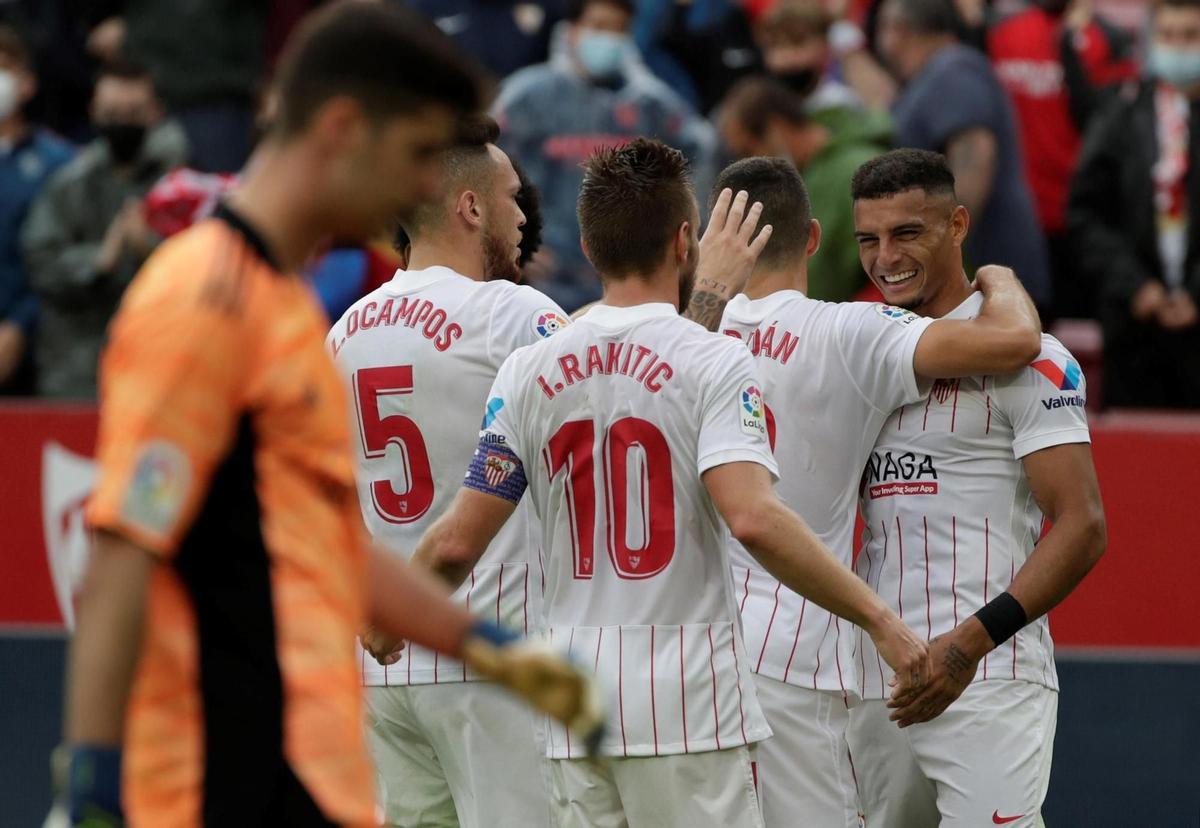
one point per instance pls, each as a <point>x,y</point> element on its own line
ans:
<point>770,426</point>
<point>369,385</point>
<point>572,447</point>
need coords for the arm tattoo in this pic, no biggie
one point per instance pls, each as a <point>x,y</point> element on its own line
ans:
<point>956,662</point>
<point>707,304</point>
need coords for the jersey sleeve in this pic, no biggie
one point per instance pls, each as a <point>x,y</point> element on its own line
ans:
<point>170,401</point>
<point>733,413</point>
<point>1045,401</point>
<point>878,344</point>
<point>496,467</point>
<point>527,316</point>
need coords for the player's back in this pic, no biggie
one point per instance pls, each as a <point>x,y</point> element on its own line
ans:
<point>419,355</point>
<point>615,420</point>
<point>832,373</point>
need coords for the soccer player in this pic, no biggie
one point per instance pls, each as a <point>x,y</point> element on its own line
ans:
<point>640,436</point>
<point>831,374</point>
<point>954,497</point>
<point>230,572</point>
<point>419,356</point>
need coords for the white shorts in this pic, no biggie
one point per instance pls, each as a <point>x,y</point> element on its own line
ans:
<point>715,788</point>
<point>804,772</point>
<point>985,761</point>
<point>466,754</point>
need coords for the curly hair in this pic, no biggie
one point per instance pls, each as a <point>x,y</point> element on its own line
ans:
<point>900,170</point>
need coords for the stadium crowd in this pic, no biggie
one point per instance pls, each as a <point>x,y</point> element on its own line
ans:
<point>1071,139</point>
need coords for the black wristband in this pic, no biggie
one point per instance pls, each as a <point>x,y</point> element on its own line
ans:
<point>1002,617</point>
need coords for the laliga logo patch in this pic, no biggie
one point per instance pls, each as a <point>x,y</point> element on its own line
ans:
<point>547,323</point>
<point>898,315</point>
<point>159,488</point>
<point>750,410</point>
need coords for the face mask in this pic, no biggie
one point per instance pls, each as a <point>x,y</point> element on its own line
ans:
<point>1178,67</point>
<point>602,53</point>
<point>124,139</point>
<point>801,81</point>
<point>1054,7</point>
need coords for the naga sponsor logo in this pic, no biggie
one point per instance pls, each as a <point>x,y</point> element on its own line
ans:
<point>889,474</point>
<point>1076,401</point>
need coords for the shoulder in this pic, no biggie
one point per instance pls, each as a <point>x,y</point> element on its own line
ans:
<point>54,150</point>
<point>78,167</point>
<point>528,81</point>
<point>523,309</point>
<point>1055,368</point>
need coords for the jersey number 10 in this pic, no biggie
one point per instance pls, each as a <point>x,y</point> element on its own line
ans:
<point>572,448</point>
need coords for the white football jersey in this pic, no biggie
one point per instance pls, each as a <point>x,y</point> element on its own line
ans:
<point>613,422</point>
<point>949,514</point>
<point>832,373</point>
<point>419,355</point>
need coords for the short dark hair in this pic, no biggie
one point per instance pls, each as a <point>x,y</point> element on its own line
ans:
<point>930,16</point>
<point>12,45</point>
<point>126,70</point>
<point>900,170</point>
<point>1177,4</point>
<point>529,199</point>
<point>631,204</point>
<point>388,58</point>
<point>464,163</point>
<point>755,100</point>
<point>786,207</point>
<point>790,21</point>
<point>576,8</point>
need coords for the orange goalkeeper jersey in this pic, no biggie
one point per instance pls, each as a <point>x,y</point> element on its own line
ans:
<point>224,448</point>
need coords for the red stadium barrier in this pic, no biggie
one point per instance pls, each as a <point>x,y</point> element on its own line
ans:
<point>1142,594</point>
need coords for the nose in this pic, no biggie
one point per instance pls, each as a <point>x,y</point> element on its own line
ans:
<point>520,218</point>
<point>889,253</point>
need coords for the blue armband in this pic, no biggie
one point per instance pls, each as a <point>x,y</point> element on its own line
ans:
<point>494,633</point>
<point>496,470</point>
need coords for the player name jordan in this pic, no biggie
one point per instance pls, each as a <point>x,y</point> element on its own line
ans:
<point>641,364</point>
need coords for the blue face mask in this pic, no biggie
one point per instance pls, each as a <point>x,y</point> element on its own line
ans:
<point>602,53</point>
<point>1178,67</point>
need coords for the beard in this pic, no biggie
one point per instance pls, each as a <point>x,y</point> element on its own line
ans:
<point>687,276</point>
<point>498,260</point>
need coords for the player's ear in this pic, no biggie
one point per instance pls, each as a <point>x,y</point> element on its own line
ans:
<point>814,237</point>
<point>683,242</point>
<point>470,207</point>
<point>960,223</point>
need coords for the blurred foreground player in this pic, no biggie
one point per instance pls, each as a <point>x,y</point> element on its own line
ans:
<point>230,572</point>
<point>831,373</point>
<point>419,355</point>
<point>640,436</point>
<point>954,497</point>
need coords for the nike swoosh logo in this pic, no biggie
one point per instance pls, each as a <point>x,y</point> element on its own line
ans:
<point>999,820</point>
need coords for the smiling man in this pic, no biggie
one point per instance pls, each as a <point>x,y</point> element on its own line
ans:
<point>954,497</point>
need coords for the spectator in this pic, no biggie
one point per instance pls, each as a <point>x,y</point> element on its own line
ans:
<point>952,103</point>
<point>86,235</point>
<point>1055,58</point>
<point>763,117</point>
<point>503,35</point>
<point>1133,216</point>
<point>594,91</point>
<point>28,156</point>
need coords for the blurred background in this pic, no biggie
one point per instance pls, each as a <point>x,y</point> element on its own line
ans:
<point>1071,125</point>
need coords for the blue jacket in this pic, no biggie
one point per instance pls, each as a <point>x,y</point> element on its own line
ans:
<point>552,118</point>
<point>23,171</point>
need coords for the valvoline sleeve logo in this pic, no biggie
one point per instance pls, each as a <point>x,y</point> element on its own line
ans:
<point>1064,377</point>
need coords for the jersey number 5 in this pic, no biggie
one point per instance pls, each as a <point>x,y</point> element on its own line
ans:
<point>371,384</point>
<point>572,448</point>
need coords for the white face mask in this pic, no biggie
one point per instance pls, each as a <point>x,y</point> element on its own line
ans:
<point>8,93</point>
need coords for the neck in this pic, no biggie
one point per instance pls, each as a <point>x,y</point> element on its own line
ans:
<point>767,280</point>
<point>923,51</point>
<point>13,128</point>
<point>810,142</point>
<point>953,293</point>
<point>460,255</point>
<point>281,205</point>
<point>660,286</point>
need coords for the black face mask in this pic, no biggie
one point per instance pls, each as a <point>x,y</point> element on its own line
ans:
<point>1054,7</point>
<point>124,139</point>
<point>800,81</point>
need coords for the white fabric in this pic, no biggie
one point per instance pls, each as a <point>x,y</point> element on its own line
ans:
<point>805,776</point>
<point>453,333</point>
<point>984,760</point>
<point>832,373</point>
<point>632,386</point>
<point>714,789</point>
<point>949,514</point>
<point>458,754</point>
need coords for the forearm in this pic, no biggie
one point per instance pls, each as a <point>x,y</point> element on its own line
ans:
<point>1058,563</point>
<point>707,305</point>
<point>107,642</point>
<point>408,604</point>
<point>871,81</point>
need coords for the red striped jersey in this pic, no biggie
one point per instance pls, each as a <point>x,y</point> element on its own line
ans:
<point>418,356</point>
<point>831,375</point>
<point>614,421</point>
<point>949,514</point>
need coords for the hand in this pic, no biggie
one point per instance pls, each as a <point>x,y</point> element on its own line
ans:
<point>1178,311</point>
<point>955,657</point>
<point>12,348</point>
<point>989,277</point>
<point>540,675</point>
<point>1148,300</point>
<point>727,254</point>
<point>112,245</point>
<point>105,41</point>
<point>383,648</point>
<point>1079,15</point>
<point>904,652</point>
<point>136,235</point>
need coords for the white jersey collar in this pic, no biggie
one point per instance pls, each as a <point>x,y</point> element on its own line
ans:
<point>406,281</point>
<point>969,309</point>
<point>743,307</point>
<point>611,317</point>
